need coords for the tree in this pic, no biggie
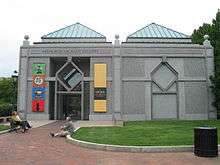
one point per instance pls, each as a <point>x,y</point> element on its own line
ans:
<point>213,30</point>
<point>6,90</point>
<point>197,36</point>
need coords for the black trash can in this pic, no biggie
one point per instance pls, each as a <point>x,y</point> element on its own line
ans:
<point>205,142</point>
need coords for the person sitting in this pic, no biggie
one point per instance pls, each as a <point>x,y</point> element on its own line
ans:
<point>66,129</point>
<point>16,121</point>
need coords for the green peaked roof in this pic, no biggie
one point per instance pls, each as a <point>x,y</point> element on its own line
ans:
<point>154,30</point>
<point>76,30</point>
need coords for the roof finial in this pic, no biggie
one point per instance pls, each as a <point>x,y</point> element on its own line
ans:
<point>117,41</point>
<point>206,43</point>
<point>206,37</point>
<point>26,42</point>
<point>26,37</point>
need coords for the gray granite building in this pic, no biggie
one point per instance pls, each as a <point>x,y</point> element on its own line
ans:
<point>157,73</point>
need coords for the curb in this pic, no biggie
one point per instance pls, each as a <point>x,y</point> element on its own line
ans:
<point>4,132</point>
<point>140,149</point>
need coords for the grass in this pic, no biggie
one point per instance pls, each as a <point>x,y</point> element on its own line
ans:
<point>3,127</point>
<point>148,133</point>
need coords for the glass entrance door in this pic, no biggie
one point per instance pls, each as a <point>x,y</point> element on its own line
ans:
<point>69,92</point>
<point>72,106</point>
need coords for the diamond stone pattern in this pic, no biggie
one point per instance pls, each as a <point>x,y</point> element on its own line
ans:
<point>69,76</point>
<point>164,77</point>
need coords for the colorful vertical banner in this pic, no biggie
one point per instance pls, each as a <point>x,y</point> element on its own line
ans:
<point>38,69</point>
<point>38,81</point>
<point>38,87</point>
<point>100,91</point>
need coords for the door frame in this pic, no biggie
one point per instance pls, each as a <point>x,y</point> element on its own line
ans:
<point>57,92</point>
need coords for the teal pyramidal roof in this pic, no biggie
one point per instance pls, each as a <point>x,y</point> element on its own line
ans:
<point>154,30</point>
<point>76,30</point>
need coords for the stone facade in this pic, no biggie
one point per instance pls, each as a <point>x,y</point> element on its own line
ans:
<point>145,80</point>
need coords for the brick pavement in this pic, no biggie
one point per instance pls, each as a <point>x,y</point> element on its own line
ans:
<point>37,148</point>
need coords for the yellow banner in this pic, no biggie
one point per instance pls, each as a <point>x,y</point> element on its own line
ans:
<point>100,106</point>
<point>100,76</point>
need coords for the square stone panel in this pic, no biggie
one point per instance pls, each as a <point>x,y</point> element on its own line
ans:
<point>164,76</point>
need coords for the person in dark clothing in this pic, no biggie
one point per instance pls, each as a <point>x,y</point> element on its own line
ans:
<point>16,120</point>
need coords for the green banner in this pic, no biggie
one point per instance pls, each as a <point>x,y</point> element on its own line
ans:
<point>38,69</point>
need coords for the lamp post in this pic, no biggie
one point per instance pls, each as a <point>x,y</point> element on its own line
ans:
<point>14,88</point>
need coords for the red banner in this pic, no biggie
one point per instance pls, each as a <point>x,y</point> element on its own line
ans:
<point>38,105</point>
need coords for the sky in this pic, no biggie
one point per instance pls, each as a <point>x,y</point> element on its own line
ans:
<point>108,17</point>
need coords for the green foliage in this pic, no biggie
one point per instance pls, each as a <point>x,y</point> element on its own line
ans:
<point>6,109</point>
<point>8,96</point>
<point>8,91</point>
<point>213,30</point>
<point>148,133</point>
<point>3,127</point>
<point>197,36</point>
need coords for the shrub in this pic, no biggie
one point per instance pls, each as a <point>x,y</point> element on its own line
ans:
<point>6,109</point>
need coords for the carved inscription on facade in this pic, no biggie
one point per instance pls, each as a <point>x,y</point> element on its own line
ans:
<point>71,51</point>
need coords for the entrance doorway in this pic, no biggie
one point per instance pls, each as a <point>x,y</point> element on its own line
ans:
<point>71,94</point>
<point>72,106</point>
